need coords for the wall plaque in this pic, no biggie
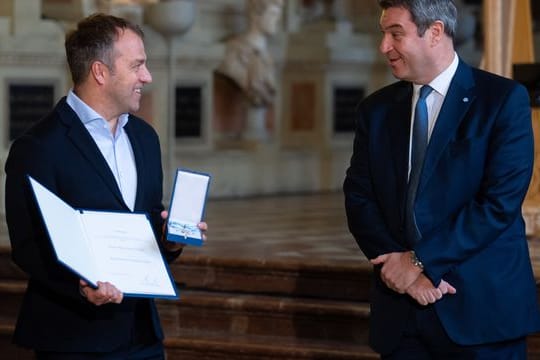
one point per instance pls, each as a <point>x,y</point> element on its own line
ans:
<point>188,111</point>
<point>28,103</point>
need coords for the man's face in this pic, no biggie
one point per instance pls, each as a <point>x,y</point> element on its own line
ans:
<point>129,73</point>
<point>408,54</point>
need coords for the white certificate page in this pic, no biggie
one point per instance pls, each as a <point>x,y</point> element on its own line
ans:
<point>126,253</point>
<point>117,247</point>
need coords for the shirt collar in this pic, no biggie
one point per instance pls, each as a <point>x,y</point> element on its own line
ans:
<point>87,114</point>
<point>442,82</point>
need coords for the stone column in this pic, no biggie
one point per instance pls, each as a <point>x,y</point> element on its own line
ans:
<point>523,52</point>
<point>498,40</point>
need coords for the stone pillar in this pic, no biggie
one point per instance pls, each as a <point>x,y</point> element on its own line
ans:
<point>523,43</point>
<point>523,52</point>
<point>531,206</point>
<point>507,41</point>
<point>498,36</point>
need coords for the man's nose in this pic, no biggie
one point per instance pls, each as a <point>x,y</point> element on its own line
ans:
<point>385,45</point>
<point>146,77</point>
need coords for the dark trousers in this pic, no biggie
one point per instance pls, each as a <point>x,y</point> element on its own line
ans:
<point>426,339</point>
<point>140,352</point>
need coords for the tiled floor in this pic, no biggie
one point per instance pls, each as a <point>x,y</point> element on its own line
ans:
<point>306,230</point>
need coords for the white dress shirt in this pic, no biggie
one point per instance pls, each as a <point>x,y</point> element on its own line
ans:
<point>434,100</point>
<point>116,149</point>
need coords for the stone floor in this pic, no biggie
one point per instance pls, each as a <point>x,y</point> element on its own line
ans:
<point>307,229</point>
<point>303,229</point>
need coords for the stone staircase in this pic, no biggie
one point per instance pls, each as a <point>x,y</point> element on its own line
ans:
<point>267,318</point>
<point>242,311</point>
<point>280,278</point>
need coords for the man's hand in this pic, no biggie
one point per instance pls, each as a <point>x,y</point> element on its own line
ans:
<point>398,271</point>
<point>104,294</point>
<point>423,291</point>
<point>446,288</point>
<point>174,246</point>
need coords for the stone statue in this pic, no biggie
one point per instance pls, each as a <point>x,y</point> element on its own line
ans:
<point>247,60</point>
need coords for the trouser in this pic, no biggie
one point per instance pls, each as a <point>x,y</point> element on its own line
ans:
<point>137,352</point>
<point>426,339</point>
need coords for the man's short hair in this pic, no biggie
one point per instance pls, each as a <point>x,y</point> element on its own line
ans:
<point>426,12</point>
<point>93,40</point>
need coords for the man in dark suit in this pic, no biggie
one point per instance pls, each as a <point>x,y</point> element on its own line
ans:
<point>433,197</point>
<point>93,154</point>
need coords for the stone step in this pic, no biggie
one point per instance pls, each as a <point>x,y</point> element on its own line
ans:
<point>237,326</point>
<point>347,281</point>
<point>338,282</point>
<point>11,294</point>
<point>202,346</point>
<point>194,346</point>
<point>8,270</point>
<point>240,314</point>
<point>191,346</point>
<point>10,351</point>
<point>213,322</point>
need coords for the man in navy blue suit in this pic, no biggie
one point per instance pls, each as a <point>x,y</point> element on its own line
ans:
<point>441,164</point>
<point>93,154</point>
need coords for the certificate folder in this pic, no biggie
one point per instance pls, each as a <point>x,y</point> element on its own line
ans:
<point>118,247</point>
<point>188,201</point>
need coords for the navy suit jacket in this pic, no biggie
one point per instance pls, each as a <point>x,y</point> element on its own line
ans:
<point>475,176</point>
<point>60,153</point>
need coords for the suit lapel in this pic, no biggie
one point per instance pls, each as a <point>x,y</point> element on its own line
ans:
<point>456,104</point>
<point>82,140</point>
<point>139,164</point>
<point>398,123</point>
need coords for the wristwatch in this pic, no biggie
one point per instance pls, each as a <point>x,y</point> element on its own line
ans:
<point>415,261</point>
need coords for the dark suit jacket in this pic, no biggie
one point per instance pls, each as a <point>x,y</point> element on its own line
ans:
<point>475,176</point>
<point>60,153</point>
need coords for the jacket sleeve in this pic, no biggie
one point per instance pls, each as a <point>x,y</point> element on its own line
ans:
<point>365,219</point>
<point>30,246</point>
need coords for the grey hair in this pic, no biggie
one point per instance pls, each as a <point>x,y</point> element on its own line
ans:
<point>426,12</point>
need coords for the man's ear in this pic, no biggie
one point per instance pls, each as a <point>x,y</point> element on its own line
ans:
<point>436,32</point>
<point>99,71</point>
